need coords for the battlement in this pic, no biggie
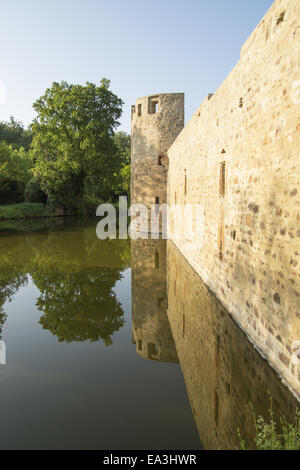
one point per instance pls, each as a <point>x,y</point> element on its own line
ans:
<point>163,103</point>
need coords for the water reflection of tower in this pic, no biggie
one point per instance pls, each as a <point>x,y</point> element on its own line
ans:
<point>150,326</point>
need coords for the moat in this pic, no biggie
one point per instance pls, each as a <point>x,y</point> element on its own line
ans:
<point>118,344</point>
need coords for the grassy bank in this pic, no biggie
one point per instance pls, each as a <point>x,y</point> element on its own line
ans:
<point>24,210</point>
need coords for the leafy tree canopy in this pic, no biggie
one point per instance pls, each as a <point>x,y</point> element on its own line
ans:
<point>123,142</point>
<point>14,134</point>
<point>15,167</point>
<point>73,145</point>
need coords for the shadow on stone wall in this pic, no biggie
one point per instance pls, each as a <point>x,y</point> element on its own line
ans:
<point>224,374</point>
<point>269,281</point>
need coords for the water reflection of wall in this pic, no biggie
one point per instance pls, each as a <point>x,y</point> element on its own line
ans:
<point>222,370</point>
<point>150,327</point>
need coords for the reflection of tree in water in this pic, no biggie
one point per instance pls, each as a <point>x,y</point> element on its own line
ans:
<point>10,281</point>
<point>80,306</point>
<point>75,273</point>
<point>3,317</point>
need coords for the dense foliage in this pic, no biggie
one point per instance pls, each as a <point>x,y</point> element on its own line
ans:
<point>15,165</point>
<point>14,134</point>
<point>71,156</point>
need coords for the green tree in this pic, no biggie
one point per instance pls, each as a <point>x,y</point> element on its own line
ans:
<point>15,167</point>
<point>73,146</point>
<point>123,143</point>
<point>14,134</point>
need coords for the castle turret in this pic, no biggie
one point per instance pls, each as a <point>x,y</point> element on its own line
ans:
<point>156,122</point>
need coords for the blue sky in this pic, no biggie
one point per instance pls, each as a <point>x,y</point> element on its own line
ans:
<point>142,46</point>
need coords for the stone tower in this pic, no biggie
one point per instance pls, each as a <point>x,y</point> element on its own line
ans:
<point>156,121</point>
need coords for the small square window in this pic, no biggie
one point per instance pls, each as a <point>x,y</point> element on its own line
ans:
<point>152,351</point>
<point>153,106</point>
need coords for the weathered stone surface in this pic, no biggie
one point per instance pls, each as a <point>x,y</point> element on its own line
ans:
<point>152,134</point>
<point>251,232</point>
<point>261,140</point>
<point>151,331</point>
<point>224,374</point>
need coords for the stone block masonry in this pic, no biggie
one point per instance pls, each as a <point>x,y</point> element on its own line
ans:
<point>239,156</point>
<point>156,122</point>
<point>225,377</point>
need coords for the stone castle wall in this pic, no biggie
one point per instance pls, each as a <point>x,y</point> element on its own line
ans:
<point>239,156</point>
<point>226,378</point>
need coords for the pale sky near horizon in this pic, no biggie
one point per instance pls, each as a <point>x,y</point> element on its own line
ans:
<point>143,46</point>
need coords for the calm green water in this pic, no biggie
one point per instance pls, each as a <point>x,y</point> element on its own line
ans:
<point>95,358</point>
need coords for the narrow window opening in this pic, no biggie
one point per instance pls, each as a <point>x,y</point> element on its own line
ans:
<point>153,106</point>
<point>233,234</point>
<point>222,179</point>
<point>156,205</point>
<point>216,408</point>
<point>152,351</point>
<point>218,349</point>
<point>280,19</point>
<point>156,259</point>
<point>160,160</point>
<point>241,103</point>
<point>139,109</point>
<point>140,345</point>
